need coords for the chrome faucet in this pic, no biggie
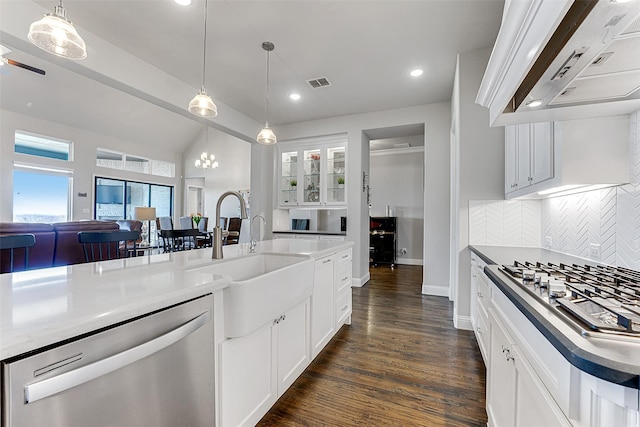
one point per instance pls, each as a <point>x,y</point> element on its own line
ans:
<point>253,243</point>
<point>217,231</point>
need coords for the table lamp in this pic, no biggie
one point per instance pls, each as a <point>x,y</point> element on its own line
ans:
<point>144,214</point>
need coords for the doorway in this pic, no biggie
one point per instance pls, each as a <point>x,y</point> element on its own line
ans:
<point>195,200</point>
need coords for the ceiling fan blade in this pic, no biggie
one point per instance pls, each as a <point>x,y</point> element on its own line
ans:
<point>25,66</point>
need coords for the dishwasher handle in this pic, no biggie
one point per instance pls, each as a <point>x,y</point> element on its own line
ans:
<point>45,388</point>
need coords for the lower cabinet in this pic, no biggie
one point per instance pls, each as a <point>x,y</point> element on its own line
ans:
<point>322,302</point>
<point>256,369</point>
<point>515,395</point>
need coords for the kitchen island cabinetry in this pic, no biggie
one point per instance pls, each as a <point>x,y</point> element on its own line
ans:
<point>480,297</point>
<point>256,369</point>
<point>322,302</point>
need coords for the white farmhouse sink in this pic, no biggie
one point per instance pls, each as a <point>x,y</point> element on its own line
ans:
<point>263,287</point>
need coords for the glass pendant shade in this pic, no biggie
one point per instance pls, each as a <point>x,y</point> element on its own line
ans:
<point>202,105</point>
<point>266,136</point>
<point>56,34</point>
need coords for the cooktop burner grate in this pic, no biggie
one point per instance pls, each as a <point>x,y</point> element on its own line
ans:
<point>601,299</point>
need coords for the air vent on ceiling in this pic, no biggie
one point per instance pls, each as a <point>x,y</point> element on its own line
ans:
<point>319,82</point>
<point>632,29</point>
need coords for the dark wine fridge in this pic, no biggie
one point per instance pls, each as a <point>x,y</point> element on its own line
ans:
<point>383,240</point>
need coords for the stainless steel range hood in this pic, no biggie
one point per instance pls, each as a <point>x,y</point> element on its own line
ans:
<point>600,61</point>
<point>591,57</point>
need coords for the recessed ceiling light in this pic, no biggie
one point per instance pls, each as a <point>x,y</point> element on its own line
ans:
<point>417,72</point>
<point>294,96</point>
<point>183,2</point>
<point>534,103</point>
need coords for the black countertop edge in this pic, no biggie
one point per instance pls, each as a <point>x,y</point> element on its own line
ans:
<point>322,233</point>
<point>584,360</point>
<point>485,258</point>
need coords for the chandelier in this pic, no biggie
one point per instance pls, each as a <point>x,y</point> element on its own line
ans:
<point>206,161</point>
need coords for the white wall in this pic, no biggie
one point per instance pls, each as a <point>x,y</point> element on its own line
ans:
<point>397,180</point>
<point>481,167</point>
<point>234,173</point>
<point>436,119</point>
<point>85,144</point>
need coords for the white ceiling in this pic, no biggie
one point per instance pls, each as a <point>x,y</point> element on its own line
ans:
<point>365,48</point>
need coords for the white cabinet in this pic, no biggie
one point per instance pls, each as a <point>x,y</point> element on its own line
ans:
<point>256,369</point>
<point>322,303</point>
<point>528,155</point>
<point>331,301</point>
<point>480,298</point>
<point>515,395</point>
<point>312,172</point>
<point>342,279</point>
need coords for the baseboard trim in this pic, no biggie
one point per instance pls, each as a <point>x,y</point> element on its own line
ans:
<point>463,322</point>
<point>438,291</point>
<point>409,261</point>
<point>358,282</point>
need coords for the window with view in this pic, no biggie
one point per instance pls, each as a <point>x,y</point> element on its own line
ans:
<point>41,195</point>
<point>42,146</point>
<point>117,199</point>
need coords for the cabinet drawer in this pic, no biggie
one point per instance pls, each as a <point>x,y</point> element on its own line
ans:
<point>343,277</point>
<point>343,308</point>
<point>483,334</point>
<point>483,295</point>
<point>344,256</point>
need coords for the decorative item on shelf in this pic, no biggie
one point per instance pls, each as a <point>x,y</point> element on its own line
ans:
<point>144,214</point>
<point>196,218</point>
<point>293,183</point>
<point>266,135</point>
<point>340,182</point>
<point>202,105</point>
<point>56,34</point>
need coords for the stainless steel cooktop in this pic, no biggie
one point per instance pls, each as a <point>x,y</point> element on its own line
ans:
<point>599,301</point>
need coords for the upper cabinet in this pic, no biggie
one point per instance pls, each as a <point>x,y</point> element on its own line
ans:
<point>528,155</point>
<point>552,157</point>
<point>312,172</point>
<point>573,58</point>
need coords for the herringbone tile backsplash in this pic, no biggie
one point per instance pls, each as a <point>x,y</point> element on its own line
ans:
<point>609,218</point>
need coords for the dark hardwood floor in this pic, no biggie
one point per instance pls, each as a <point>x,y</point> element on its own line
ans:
<point>400,363</point>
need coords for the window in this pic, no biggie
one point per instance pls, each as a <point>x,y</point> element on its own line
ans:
<point>41,195</point>
<point>117,199</point>
<point>42,146</point>
<point>114,160</point>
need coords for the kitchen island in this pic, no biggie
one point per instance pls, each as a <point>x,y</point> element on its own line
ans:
<point>41,309</point>
<point>539,362</point>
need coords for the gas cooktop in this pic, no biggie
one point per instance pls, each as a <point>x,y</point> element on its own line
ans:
<point>599,301</point>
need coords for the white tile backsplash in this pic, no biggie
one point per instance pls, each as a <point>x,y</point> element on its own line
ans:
<point>504,222</point>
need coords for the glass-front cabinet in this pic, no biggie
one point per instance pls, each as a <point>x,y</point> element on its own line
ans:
<point>313,172</point>
<point>288,186</point>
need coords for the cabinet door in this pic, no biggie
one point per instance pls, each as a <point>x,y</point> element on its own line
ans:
<point>510,158</point>
<point>501,378</point>
<point>311,189</point>
<point>336,169</point>
<point>288,181</point>
<point>534,405</point>
<point>542,152</point>
<point>293,345</point>
<point>248,385</point>
<point>322,305</point>
<point>523,172</point>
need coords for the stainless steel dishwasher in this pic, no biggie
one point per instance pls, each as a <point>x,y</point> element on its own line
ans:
<point>156,370</point>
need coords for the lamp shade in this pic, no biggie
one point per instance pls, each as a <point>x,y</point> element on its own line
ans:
<point>144,214</point>
<point>202,105</point>
<point>266,136</point>
<point>56,34</point>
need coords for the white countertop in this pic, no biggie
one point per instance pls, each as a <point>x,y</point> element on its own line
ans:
<point>42,307</point>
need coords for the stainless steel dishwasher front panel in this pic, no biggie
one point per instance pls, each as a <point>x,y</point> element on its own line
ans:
<point>154,371</point>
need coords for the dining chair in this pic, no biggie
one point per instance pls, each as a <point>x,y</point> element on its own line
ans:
<point>106,245</point>
<point>165,223</point>
<point>15,242</point>
<point>204,239</point>
<point>235,224</point>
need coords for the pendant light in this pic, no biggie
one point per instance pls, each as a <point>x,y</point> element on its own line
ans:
<point>56,34</point>
<point>202,105</point>
<point>266,135</point>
